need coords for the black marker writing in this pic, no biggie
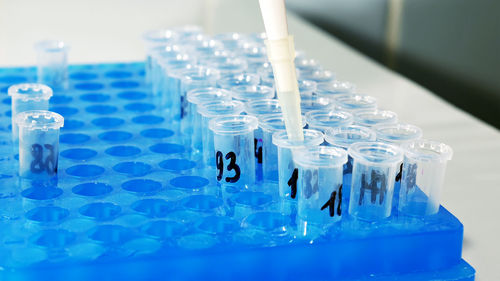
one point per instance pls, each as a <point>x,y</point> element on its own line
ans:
<point>330,204</point>
<point>376,179</point>
<point>292,183</point>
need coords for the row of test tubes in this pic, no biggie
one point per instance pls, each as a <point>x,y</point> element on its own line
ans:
<point>354,157</point>
<point>35,129</point>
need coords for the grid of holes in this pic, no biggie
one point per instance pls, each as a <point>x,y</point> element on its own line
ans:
<point>125,181</point>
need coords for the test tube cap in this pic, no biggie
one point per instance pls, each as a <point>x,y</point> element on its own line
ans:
<point>39,120</point>
<point>369,118</point>
<point>399,133</point>
<point>233,124</point>
<point>428,151</point>
<point>30,91</point>
<point>376,153</point>
<point>345,136</point>
<point>321,156</point>
<point>311,138</point>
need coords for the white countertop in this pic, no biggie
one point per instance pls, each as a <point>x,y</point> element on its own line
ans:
<point>110,31</point>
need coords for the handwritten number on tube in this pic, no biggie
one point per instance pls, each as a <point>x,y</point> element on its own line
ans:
<point>232,166</point>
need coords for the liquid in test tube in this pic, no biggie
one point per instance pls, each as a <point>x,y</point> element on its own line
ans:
<point>234,149</point>
<point>287,173</point>
<point>375,165</point>
<point>38,143</point>
<point>270,124</point>
<point>423,176</point>
<point>321,120</point>
<point>196,97</point>
<point>320,188</point>
<point>353,102</point>
<point>27,96</point>
<point>52,64</point>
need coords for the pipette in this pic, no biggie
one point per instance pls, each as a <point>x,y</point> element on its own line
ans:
<point>281,54</point>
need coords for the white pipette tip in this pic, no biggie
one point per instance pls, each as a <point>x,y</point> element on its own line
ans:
<point>281,54</point>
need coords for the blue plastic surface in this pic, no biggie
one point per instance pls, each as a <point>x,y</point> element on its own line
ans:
<point>132,203</point>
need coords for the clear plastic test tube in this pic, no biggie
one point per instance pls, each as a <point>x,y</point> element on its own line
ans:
<point>247,93</point>
<point>196,97</point>
<point>38,143</point>
<point>172,90</point>
<point>27,96</point>
<point>270,124</point>
<point>233,144</point>
<point>397,134</point>
<point>153,39</point>
<point>352,102</point>
<point>159,56</point>
<point>370,118</point>
<point>375,165</point>
<point>208,111</point>
<point>344,137</point>
<point>260,109</point>
<point>167,96</point>
<point>323,119</point>
<point>423,176</point>
<point>320,188</point>
<point>196,77</point>
<point>52,64</point>
<point>287,172</point>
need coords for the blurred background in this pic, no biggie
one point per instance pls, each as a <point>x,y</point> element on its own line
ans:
<point>451,47</point>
